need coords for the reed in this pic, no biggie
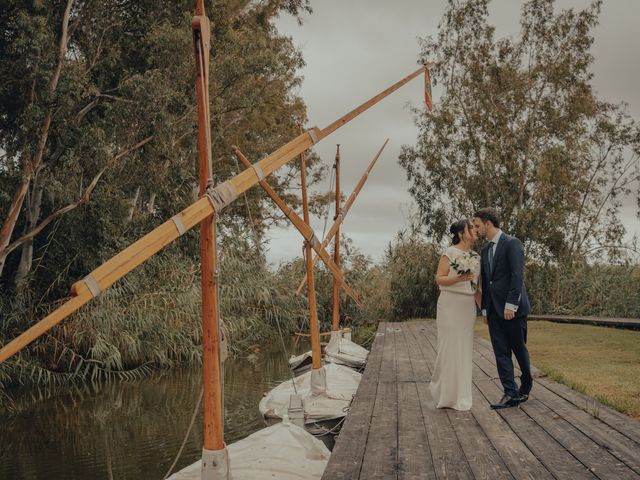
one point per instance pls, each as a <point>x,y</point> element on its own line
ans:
<point>148,321</point>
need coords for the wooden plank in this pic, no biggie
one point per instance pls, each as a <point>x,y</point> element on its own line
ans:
<point>601,433</point>
<point>403,361</point>
<point>425,333</point>
<point>414,457</point>
<point>549,437</point>
<point>485,462</point>
<point>616,420</point>
<point>447,455</point>
<point>624,424</point>
<point>550,453</point>
<point>421,372</point>
<point>348,452</point>
<point>388,366</point>
<point>381,454</point>
<point>514,453</point>
<point>597,459</point>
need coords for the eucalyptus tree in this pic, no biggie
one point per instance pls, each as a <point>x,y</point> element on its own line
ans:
<point>518,126</point>
<point>98,121</point>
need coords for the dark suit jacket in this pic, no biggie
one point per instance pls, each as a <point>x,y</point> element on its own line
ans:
<point>504,283</point>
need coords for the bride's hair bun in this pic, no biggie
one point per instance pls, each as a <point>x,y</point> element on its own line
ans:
<point>456,229</point>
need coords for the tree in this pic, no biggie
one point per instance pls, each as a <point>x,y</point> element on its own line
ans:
<point>519,127</point>
<point>97,110</point>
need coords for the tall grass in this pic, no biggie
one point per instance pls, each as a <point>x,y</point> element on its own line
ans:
<point>151,319</point>
<point>575,288</point>
<point>583,289</point>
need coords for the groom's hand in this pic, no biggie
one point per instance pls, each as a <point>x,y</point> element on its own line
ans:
<point>509,314</point>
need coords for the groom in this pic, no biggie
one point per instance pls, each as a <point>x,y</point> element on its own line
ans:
<point>505,304</point>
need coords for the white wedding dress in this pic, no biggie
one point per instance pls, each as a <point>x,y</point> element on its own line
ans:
<point>456,315</point>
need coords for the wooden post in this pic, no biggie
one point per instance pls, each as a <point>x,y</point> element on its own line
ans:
<point>211,363</point>
<point>306,231</point>
<point>313,311</point>
<point>347,205</point>
<point>335,319</point>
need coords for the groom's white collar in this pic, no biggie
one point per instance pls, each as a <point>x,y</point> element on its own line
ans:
<point>496,237</point>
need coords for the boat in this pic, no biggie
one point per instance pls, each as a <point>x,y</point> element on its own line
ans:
<point>284,451</point>
<point>324,395</point>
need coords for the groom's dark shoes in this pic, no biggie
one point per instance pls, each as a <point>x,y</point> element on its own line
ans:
<point>507,402</point>
<point>525,388</point>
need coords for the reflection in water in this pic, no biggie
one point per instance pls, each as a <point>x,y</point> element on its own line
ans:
<point>130,430</point>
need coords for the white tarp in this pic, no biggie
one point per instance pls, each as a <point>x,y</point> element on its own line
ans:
<point>340,349</point>
<point>342,383</point>
<point>345,352</point>
<point>283,451</point>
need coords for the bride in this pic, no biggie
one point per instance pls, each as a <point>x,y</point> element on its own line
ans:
<point>457,277</point>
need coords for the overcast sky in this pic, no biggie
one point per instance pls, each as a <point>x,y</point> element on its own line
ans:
<point>354,49</point>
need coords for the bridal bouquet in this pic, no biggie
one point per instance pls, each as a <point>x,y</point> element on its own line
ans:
<point>467,263</point>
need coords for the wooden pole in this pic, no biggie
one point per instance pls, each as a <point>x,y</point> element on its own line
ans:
<point>335,312</point>
<point>369,103</point>
<point>211,362</point>
<point>313,311</point>
<point>304,229</point>
<point>117,267</point>
<point>341,216</point>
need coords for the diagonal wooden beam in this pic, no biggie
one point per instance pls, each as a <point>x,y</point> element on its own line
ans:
<point>215,200</point>
<point>301,226</point>
<point>343,213</point>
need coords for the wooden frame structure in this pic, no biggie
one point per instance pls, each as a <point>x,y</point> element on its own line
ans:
<point>302,225</point>
<point>204,212</point>
<point>343,212</point>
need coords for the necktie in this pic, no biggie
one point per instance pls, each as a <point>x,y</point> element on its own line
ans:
<point>490,256</point>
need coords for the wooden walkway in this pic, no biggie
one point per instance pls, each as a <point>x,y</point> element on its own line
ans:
<point>394,431</point>
<point>630,323</point>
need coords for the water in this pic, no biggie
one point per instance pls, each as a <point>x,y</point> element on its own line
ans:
<point>130,430</point>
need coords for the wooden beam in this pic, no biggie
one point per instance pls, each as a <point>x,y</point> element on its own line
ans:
<point>341,216</point>
<point>114,269</point>
<point>314,325</point>
<point>303,227</point>
<point>369,103</point>
<point>335,311</point>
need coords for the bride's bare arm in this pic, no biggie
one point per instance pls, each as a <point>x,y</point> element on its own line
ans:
<point>442,274</point>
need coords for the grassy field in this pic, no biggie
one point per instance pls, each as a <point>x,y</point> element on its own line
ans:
<point>601,362</point>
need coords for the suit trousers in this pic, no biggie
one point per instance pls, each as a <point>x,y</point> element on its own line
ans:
<point>509,336</point>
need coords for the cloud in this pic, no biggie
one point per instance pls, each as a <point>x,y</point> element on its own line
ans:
<point>355,49</point>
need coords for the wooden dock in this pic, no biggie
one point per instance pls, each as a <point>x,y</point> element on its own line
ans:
<point>394,430</point>
<point>629,323</point>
